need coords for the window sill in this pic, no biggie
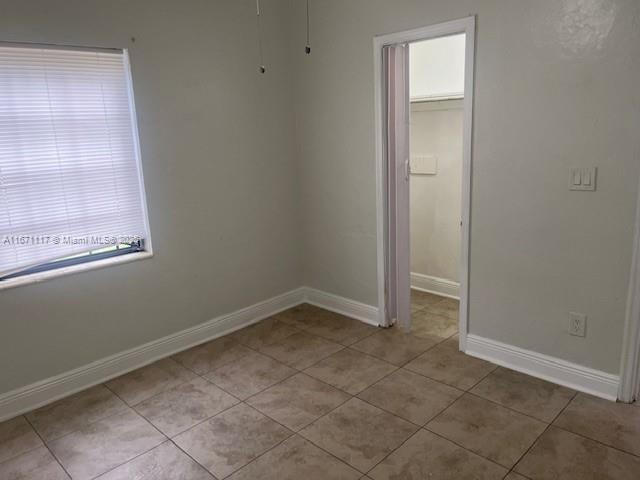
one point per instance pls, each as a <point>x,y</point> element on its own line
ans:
<point>81,267</point>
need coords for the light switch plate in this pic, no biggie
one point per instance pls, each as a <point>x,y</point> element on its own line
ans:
<point>424,165</point>
<point>583,178</point>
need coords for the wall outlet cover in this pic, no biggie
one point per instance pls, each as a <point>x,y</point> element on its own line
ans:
<point>577,324</point>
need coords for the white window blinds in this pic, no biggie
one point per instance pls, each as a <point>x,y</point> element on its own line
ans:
<point>70,176</point>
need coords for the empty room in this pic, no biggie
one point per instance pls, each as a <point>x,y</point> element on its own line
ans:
<point>319,239</point>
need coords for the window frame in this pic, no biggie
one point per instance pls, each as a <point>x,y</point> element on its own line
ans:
<point>92,261</point>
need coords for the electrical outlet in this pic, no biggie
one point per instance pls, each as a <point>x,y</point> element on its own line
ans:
<point>577,324</point>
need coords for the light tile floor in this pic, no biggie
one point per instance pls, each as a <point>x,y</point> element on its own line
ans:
<point>309,394</point>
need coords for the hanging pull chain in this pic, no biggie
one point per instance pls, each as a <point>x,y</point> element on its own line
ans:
<point>261,67</point>
<point>307,48</point>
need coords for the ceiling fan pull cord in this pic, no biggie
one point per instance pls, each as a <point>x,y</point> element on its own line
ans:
<point>261,67</point>
<point>307,48</point>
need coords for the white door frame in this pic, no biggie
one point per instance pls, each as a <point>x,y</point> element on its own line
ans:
<point>629,389</point>
<point>466,26</point>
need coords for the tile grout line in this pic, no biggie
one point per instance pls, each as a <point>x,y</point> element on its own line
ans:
<point>316,419</point>
<point>564,429</point>
<point>166,439</point>
<point>171,438</point>
<point>469,391</point>
<point>46,445</point>
<point>294,434</point>
<point>247,404</point>
<point>297,433</point>
<point>356,397</point>
<point>291,366</point>
<point>195,424</point>
<point>594,440</point>
<point>193,459</point>
<point>13,457</point>
<point>402,418</point>
<point>419,427</point>
<point>259,391</point>
<point>351,396</point>
<point>465,448</point>
<point>440,342</point>
<point>298,370</point>
<point>392,451</point>
<point>480,397</point>
<point>133,407</point>
<point>90,423</point>
<point>137,412</point>
<point>198,375</point>
<point>391,413</point>
<point>425,426</point>
<point>495,367</point>
<point>230,336</point>
<point>273,358</point>
<point>540,436</point>
<point>302,330</point>
<point>180,384</point>
<point>365,388</point>
<point>551,424</point>
<point>447,384</point>
<point>305,330</point>
<point>375,331</point>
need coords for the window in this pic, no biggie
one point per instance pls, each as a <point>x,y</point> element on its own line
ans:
<point>71,185</point>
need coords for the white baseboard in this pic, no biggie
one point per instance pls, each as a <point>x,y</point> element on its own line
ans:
<point>577,377</point>
<point>361,311</point>
<point>32,396</point>
<point>46,391</point>
<point>439,286</point>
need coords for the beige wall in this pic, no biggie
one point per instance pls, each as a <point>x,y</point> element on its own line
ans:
<point>555,86</point>
<point>436,129</point>
<point>217,153</point>
<point>237,179</point>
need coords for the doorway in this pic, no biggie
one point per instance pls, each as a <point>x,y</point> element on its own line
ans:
<point>436,118</point>
<point>405,107</point>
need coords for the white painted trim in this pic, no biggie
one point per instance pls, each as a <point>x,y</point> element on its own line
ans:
<point>437,285</point>
<point>71,269</point>
<point>437,98</point>
<point>440,105</point>
<point>148,244</point>
<point>41,393</point>
<point>630,361</point>
<point>577,377</point>
<point>467,140</point>
<point>467,26</point>
<point>46,391</point>
<point>360,311</point>
<point>378,73</point>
